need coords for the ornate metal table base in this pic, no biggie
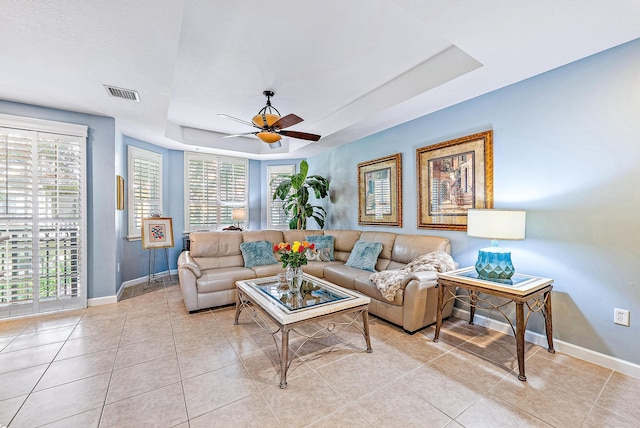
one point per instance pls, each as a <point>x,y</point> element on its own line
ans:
<point>360,315</point>
<point>538,300</point>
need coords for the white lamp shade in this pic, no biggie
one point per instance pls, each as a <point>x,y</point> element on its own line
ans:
<point>238,214</point>
<point>496,224</point>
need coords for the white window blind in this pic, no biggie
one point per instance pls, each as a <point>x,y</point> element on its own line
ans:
<point>145,187</point>
<point>42,177</point>
<point>276,217</point>
<point>214,185</point>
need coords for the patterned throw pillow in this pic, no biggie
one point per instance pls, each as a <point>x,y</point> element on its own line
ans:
<point>322,242</point>
<point>323,255</point>
<point>364,255</point>
<point>257,253</point>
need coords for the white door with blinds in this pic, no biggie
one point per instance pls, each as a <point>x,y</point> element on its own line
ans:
<point>42,216</point>
<point>214,186</point>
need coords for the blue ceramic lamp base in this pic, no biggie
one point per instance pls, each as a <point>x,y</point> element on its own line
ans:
<point>494,263</point>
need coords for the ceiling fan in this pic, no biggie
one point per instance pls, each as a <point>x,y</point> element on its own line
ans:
<point>271,125</point>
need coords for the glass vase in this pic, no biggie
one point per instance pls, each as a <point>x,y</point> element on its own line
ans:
<point>294,277</point>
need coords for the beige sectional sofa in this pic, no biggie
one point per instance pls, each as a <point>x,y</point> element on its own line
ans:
<point>209,270</point>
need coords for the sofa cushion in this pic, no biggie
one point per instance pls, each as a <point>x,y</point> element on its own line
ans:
<point>215,244</point>
<point>344,240</point>
<point>299,235</point>
<point>316,268</point>
<point>364,255</point>
<point>407,248</point>
<point>365,286</point>
<point>212,250</point>
<point>273,236</point>
<point>343,275</point>
<point>263,271</point>
<point>387,239</point>
<point>321,242</point>
<point>257,253</point>
<point>222,279</point>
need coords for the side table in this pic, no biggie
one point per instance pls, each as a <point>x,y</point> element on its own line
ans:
<point>532,291</point>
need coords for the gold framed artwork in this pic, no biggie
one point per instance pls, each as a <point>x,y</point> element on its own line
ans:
<point>120,192</point>
<point>454,176</point>
<point>380,191</point>
<point>157,232</point>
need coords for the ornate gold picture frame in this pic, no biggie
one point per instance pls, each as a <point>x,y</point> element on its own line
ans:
<point>454,176</point>
<point>380,191</point>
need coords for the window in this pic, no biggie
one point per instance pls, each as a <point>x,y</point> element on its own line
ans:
<point>276,217</point>
<point>145,187</point>
<point>42,216</point>
<point>214,186</point>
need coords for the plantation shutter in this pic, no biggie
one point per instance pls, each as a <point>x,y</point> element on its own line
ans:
<point>42,176</point>
<point>276,217</point>
<point>202,179</point>
<point>16,178</point>
<point>145,187</point>
<point>215,185</point>
<point>233,188</point>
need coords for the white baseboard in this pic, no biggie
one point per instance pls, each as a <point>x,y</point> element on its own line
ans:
<point>98,301</point>
<point>570,349</point>
<point>106,300</point>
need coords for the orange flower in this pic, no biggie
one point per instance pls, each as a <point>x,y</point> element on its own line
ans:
<point>293,255</point>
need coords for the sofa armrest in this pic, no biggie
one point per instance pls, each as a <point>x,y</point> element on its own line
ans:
<point>424,276</point>
<point>188,273</point>
<point>186,261</point>
<point>421,301</point>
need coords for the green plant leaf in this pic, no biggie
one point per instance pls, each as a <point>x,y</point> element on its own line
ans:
<point>294,192</point>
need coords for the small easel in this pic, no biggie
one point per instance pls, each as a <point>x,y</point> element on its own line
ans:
<point>152,275</point>
<point>157,233</point>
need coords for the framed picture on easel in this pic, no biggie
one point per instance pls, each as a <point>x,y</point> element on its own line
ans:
<point>157,232</point>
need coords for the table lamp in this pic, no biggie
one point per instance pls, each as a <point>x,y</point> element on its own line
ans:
<point>238,215</point>
<point>494,262</point>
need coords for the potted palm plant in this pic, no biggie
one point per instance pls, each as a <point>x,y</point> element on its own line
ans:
<point>294,192</point>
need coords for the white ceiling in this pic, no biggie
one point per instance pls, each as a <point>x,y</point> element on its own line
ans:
<point>349,68</point>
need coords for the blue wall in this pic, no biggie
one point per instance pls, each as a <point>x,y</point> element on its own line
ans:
<point>566,149</point>
<point>134,261</point>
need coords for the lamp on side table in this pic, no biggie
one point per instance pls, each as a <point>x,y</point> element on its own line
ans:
<point>494,262</point>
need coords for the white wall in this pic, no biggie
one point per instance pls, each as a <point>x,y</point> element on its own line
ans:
<point>566,149</point>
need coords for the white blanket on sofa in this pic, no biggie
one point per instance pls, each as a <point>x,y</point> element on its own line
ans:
<point>389,281</point>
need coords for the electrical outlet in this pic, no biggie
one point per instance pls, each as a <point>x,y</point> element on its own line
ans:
<point>621,316</point>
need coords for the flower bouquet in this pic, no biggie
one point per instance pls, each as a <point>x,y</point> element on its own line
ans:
<point>293,257</point>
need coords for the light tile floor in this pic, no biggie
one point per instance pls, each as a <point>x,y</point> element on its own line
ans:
<point>146,362</point>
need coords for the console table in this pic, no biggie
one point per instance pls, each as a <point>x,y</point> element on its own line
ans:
<point>532,291</point>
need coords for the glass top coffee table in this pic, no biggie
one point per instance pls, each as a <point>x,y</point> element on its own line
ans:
<point>316,300</point>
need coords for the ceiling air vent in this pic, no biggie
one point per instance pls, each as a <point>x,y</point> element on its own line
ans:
<point>126,94</point>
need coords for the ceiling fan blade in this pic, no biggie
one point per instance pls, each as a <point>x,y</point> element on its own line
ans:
<point>238,120</point>
<point>300,135</point>
<point>240,135</point>
<point>287,121</point>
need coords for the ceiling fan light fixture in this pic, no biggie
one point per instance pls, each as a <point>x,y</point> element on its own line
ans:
<point>265,119</point>
<point>269,137</point>
<point>272,125</point>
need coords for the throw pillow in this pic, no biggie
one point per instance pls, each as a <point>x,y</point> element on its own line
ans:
<point>323,255</point>
<point>257,253</point>
<point>364,255</point>
<point>321,242</point>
